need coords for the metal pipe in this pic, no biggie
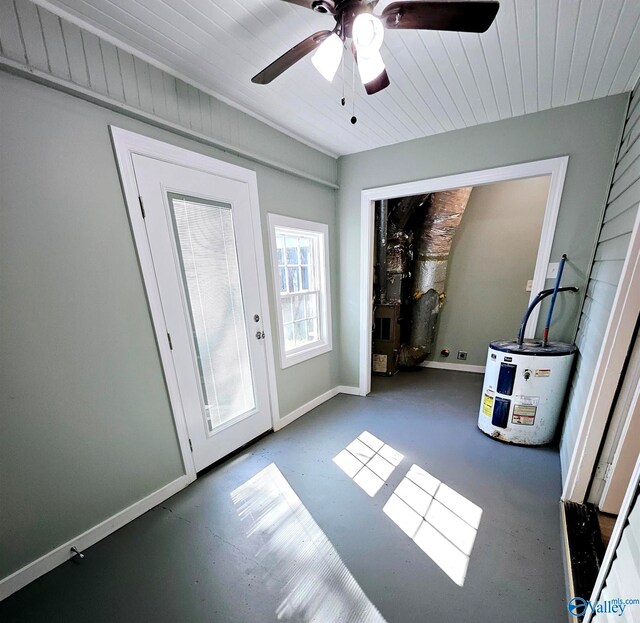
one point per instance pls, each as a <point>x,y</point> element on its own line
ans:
<point>545,337</point>
<point>383,215</point>
<point>539,297</point>
<point>441,221</point>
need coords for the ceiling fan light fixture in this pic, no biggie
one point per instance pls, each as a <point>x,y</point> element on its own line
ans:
<point>328,56</point>
<point>370,67</point>
<point>368,34</point>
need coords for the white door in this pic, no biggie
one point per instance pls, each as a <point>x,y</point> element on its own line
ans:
<point>200,236</point>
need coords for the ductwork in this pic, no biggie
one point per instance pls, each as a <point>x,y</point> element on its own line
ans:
<point>383,218</point>
<point>431,257</point>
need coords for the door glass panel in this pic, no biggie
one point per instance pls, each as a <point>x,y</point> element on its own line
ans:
<point>209,263</point>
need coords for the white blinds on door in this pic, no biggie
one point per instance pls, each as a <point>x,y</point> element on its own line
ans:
<point>209,264</point>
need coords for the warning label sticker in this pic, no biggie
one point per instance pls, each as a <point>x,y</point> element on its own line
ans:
<point>524,410</point>
<point>543,372</point>
<point>487,402</point>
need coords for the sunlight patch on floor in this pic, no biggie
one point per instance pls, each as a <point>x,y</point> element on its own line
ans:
<point>368,461</point>
<point>440,521</point>
<point>298,559</point>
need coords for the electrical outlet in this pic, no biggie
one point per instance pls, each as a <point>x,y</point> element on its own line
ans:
<point>462,354</point>
<point>529,285</point>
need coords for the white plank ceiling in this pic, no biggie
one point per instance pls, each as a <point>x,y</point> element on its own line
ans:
<point>537,55</point>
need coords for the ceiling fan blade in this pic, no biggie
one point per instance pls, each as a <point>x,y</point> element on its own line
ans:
<point>380,83</point>
<point>290,57</point>
<point>457,16</point>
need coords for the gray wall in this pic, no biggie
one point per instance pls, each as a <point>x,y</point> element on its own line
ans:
<point>85,423</point>
<point>613,242</point>
<point>493,255</point>
<point>588,133</point>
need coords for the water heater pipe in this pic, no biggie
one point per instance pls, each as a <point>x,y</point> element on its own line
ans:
<point>545,337</point>
<point>543,294</point>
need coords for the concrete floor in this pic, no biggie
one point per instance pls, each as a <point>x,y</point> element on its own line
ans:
<point>302,541</point>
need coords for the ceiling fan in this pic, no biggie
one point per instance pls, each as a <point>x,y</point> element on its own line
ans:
<point>355,20</point>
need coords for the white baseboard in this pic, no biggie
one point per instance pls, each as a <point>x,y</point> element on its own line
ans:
<point>305,408</point>
<point>42,565</point>
<point>312,404</point>
<point>351,391</point>
<point>459,367</point>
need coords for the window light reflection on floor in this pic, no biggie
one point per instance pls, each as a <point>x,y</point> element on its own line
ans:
<point>298,560</point>
<point>441,522</point>
<point>368,461</point>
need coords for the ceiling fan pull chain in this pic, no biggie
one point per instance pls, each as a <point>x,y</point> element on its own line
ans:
<point>354,119</point>
<point>343,101</point>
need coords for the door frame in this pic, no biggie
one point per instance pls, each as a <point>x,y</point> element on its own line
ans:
<point>125,144</point>
<point>618,339</point>
<point>556,168</point>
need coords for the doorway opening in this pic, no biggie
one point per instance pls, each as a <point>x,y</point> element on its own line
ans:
<point>452,264</point>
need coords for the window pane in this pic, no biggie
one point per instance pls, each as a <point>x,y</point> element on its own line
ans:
<point>287,310</point>
<point>283,279</point>
<point>280,249</point>
<point>300,330</point>
<point>293,274</point>
<point>312,329</point>
<point>305,250</point>
<point>292,250</point>
<point>209,263</point>
<point>289,341</point>
<point>312,305</point>
<point>298,308</point>
<point>304,273</point>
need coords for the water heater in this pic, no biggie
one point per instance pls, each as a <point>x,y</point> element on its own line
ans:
<point>524,388</point>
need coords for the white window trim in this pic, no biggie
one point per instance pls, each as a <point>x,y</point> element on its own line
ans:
<point>324,345</point>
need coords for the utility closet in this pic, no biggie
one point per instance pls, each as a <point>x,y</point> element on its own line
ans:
<point>413,241</point>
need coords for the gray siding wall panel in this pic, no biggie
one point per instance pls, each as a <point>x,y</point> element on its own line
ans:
<point>611,251</point>
<point>37,39</point>
<point>75,54</point>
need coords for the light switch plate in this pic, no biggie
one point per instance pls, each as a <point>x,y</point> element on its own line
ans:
<point>552,270</point>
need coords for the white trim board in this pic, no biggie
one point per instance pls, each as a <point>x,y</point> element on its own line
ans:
<point>555,167</point>
<point>606,376</point>
<point>458,367</point>
<point>312,404</point>
<point>50,561</point>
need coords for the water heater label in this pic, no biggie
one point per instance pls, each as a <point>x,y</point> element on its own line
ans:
<point>524,410</point>
<point>487,402</point>
<point>543,372</point>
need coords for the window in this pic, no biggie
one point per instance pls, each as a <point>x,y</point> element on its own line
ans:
<point>300,258</point>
